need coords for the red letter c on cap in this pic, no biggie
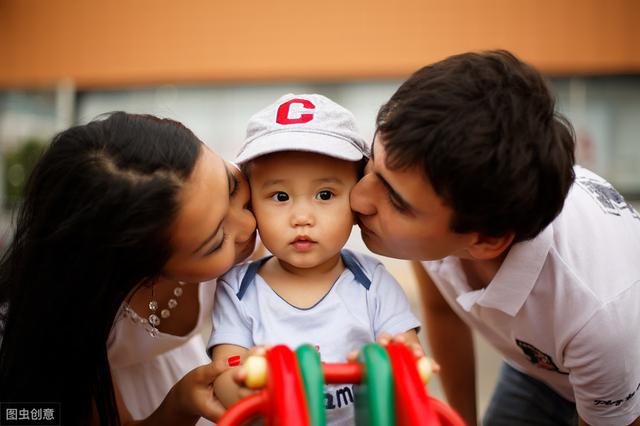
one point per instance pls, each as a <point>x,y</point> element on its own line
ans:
<point>283,112</point>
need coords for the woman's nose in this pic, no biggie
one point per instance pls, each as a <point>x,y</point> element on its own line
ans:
<point>246,223</point>
<point>362,197</point>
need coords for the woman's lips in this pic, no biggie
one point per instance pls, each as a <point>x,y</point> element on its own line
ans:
<point>246,251</point>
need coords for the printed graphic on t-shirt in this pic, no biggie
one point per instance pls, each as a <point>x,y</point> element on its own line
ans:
<point>537,357</point>
<point>607,197</point>
<point>338,398</point>
<point>616,402</point>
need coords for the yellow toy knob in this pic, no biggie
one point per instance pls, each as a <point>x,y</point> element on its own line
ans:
<point>425,369</point>
<point>256,368</point>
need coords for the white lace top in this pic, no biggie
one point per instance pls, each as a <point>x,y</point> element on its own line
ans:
<point>145,368</point>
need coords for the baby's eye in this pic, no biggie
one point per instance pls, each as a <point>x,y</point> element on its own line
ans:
<point>280,196</point>
<point>324,195</point>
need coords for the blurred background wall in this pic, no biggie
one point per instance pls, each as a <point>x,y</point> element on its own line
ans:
<point>211,64</point>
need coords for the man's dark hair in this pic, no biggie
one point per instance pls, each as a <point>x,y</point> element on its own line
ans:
<point>483,129</point>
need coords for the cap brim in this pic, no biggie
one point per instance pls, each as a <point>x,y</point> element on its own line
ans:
<point>300,141</point>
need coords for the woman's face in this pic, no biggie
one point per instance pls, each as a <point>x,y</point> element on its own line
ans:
<point>214,229</point>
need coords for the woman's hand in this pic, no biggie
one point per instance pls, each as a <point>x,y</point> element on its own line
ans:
<point>189,399</point>
<point>230,385</point>
<point>193,395</point>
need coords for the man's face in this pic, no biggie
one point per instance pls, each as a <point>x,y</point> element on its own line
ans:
<point>401,216</point>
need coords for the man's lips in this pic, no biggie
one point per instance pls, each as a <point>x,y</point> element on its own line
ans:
<point>364,227</point>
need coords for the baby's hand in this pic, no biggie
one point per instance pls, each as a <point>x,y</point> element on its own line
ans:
<point>252,374</point>
<point>385,338</point>
<point>410,340</point>
<point>228,387</point>
<point>426,365</point>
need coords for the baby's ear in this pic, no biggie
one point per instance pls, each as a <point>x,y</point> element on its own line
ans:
<point>485,247</point>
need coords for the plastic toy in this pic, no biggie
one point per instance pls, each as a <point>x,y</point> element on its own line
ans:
<point>389,389</point>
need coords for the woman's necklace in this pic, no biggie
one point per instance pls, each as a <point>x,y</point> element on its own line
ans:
<point>152,322</point>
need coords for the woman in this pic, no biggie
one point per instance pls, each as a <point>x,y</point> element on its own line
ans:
<point>122,219</point>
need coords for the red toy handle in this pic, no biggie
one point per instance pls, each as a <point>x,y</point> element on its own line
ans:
<point>284,403</point>
<point>446,414</point>
<point>287,401</point>
<point>413,406</point>
<point>339,373</point>
<point>245,409</point>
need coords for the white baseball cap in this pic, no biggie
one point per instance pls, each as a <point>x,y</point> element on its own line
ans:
<point>311,123</point>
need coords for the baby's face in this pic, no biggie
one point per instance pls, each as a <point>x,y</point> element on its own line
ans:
<point>301,204</point>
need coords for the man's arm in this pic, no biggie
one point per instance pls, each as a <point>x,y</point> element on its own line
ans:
<point>452,346</point>
<point>636,422</point>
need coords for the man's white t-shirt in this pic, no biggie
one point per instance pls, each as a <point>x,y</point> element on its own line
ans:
<point>364,302</point>
<point>564,307</point>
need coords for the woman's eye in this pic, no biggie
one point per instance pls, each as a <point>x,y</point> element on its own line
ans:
<point>217,246</point>
<point>324,195</point>
<point>280,197</point>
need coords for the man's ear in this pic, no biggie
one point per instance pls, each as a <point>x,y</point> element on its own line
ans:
<point>485,247</point>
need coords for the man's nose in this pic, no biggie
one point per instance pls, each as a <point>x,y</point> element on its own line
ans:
<point>362,196</point>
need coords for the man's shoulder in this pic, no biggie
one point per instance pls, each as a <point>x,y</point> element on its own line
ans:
<point>593,196</point>
<point>596,238</point>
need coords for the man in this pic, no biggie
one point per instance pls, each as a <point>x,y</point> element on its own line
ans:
<point>473,174</point>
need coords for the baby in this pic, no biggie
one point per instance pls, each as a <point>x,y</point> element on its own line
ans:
<point>302,156</point>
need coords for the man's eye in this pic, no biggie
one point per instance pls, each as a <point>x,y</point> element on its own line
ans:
<point>396,205</point>
<point>280,196</point>
<point>324,195</point>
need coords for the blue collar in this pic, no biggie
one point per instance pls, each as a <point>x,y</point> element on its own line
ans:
<point>347,258</point>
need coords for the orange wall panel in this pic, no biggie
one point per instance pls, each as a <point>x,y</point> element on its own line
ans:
<point>131,42</point>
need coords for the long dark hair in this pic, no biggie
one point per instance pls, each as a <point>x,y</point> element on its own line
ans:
<point>95,222</point>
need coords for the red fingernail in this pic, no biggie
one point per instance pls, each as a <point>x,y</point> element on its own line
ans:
<point>233,361</point>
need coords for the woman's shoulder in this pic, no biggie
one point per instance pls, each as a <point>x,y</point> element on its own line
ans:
<point>130,341</point>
